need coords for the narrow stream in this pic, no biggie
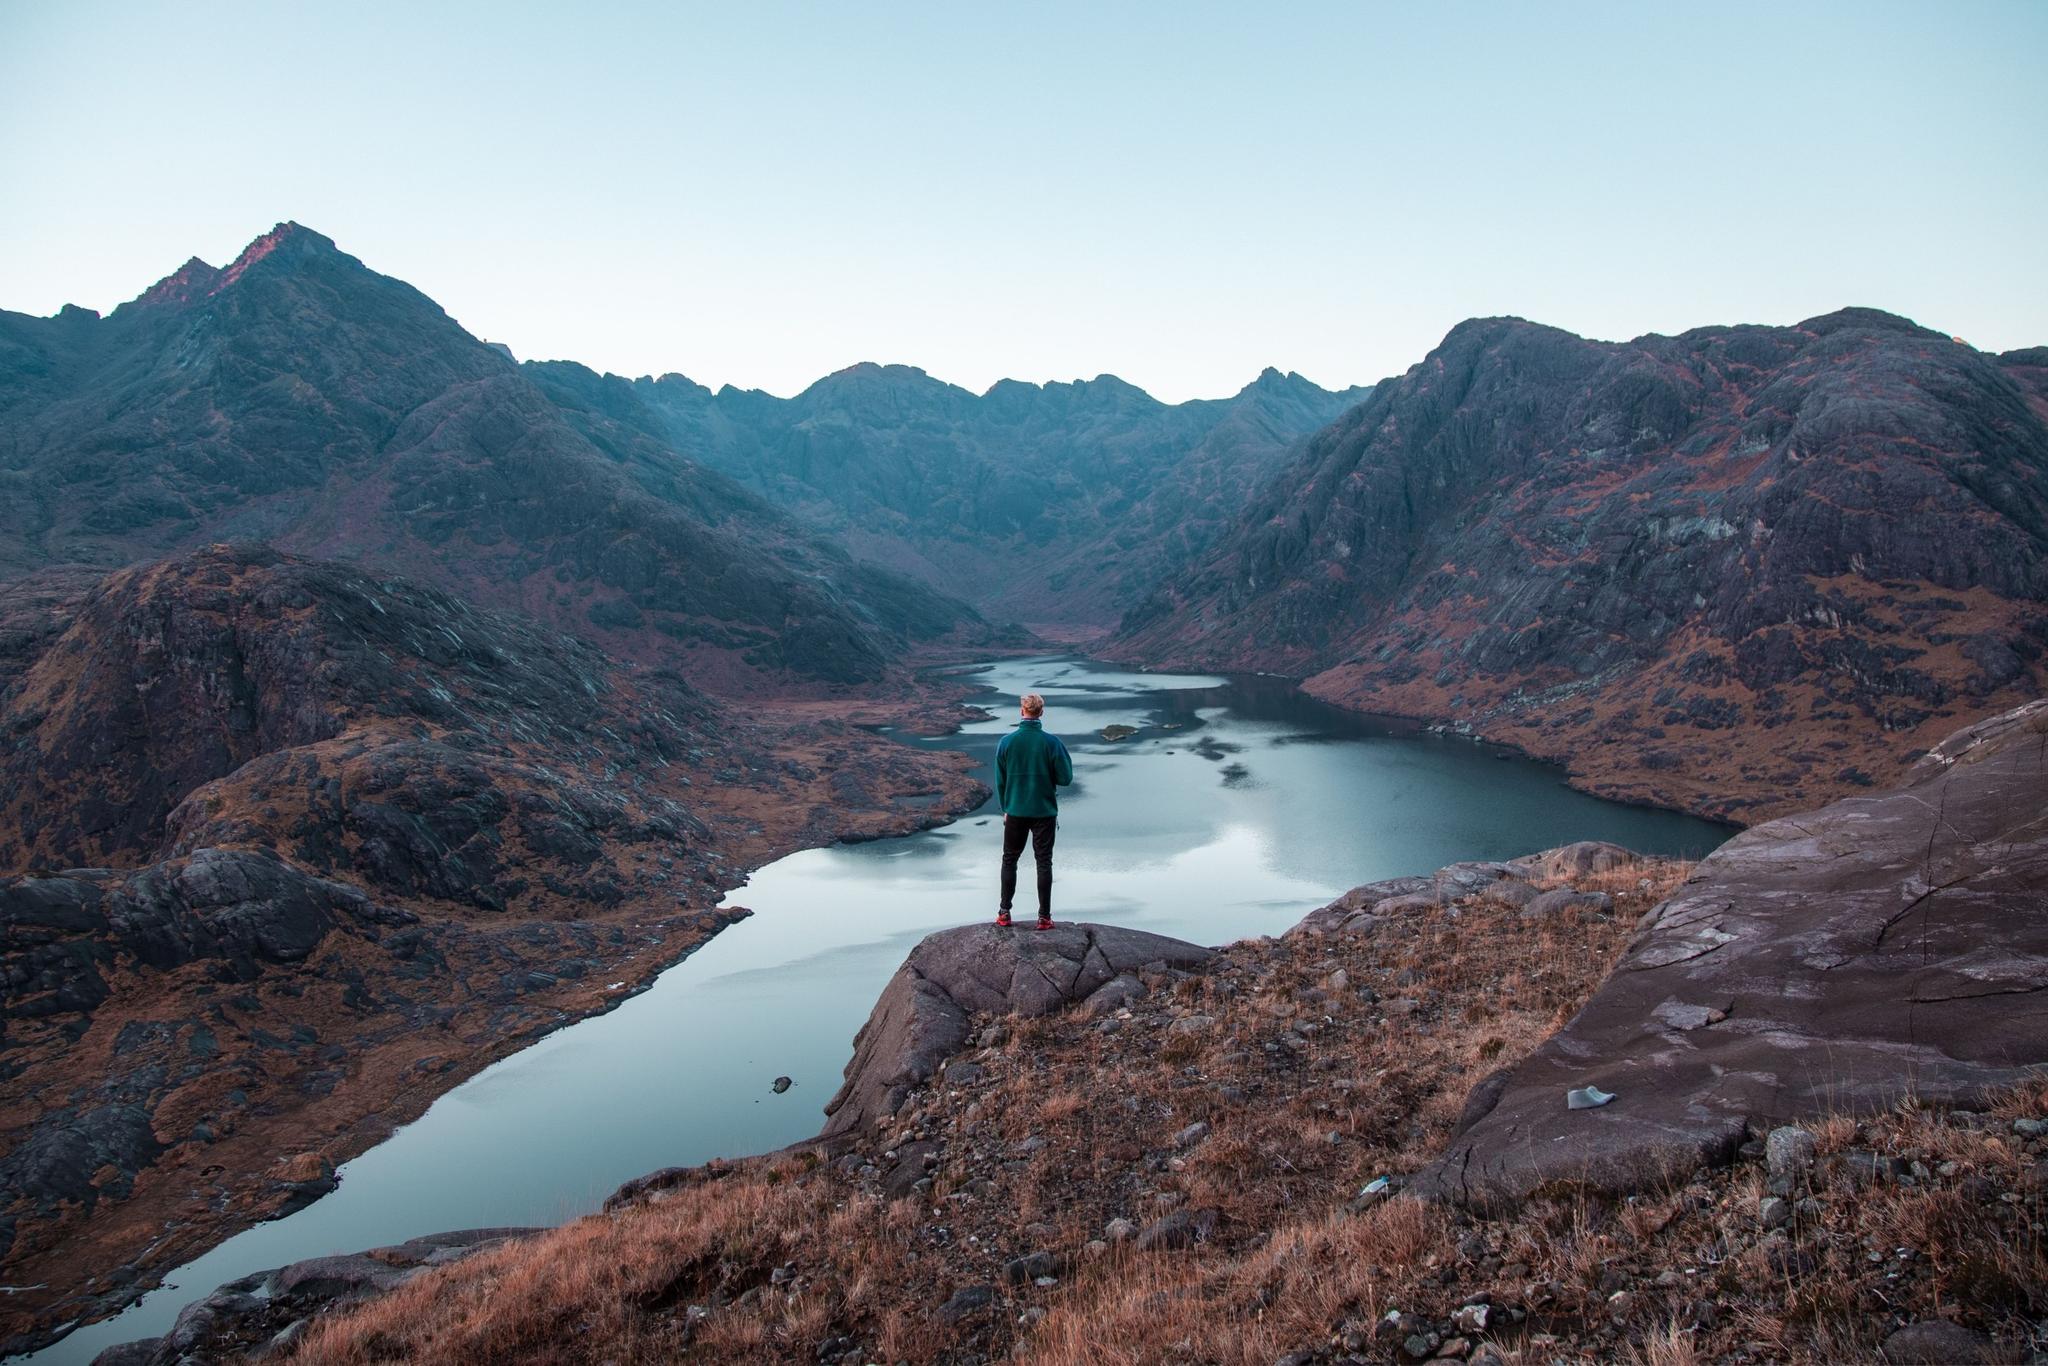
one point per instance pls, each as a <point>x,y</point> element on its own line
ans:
<point>1236,807</point>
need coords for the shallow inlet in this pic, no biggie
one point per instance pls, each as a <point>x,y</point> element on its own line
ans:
<point>1234,808</point>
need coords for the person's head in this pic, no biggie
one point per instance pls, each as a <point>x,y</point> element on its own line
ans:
<point>1032,705</point>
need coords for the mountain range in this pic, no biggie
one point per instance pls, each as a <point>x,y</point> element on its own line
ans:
<point>371,702</point>
<point>299,398</point>
<point>1732,571</point>
<point>1053,504</point>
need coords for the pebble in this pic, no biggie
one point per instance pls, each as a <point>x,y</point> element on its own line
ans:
<point>1788,1156</point>
<point>780,1084</point>
<point>1935,1341</point>
<point>967,1300</point>
<point>1028,1268</point>
<point>1773,1212</point>
<point>1190,1136</point>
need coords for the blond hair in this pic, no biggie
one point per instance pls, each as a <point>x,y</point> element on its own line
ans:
<point>1033,704</point>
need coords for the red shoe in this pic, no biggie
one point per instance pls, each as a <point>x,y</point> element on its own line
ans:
<point>1003,919</point>
<point>1044,922</point>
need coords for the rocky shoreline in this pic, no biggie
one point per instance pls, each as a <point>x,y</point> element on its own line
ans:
<point>434,835</point>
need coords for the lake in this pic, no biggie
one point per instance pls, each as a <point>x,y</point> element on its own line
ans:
<point>1235,807</point>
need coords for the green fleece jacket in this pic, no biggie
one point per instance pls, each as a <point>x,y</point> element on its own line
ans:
<point>1030,768</point>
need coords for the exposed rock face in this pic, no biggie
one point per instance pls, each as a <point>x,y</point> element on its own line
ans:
<point>329,841</point>
<point>301,398</point>
<point>923,1015</point>
<point>1736,571</point>
<point>1056,503</point>
<point>1839,960</point>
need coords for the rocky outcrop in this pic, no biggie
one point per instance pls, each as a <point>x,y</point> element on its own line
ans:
<point>1739,571</point>
<point>263,1314</point>
<point>1840,960</point>
<point>1510,882</point>
<point>924,1013</point>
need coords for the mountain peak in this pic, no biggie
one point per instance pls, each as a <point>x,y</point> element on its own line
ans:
<point>196,280</point>
<point>1869,319</point>
<point>286,241</point>
<point>871,370</point>
<point>1271,380</point>
<point>193,280</point>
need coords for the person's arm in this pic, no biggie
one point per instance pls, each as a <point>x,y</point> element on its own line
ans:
<point>1003,772</point>
<point>1062,763</point>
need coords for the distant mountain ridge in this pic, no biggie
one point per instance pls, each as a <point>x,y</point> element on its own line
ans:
<point>1054,503</point>
<point>1725,571</point>
<point>298,397</point>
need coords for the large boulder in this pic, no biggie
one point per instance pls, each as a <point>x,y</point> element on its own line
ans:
<point>1843,959</point>
<point>923,1015</point>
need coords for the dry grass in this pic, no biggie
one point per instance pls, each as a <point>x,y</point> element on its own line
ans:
<point>1310,1085</point>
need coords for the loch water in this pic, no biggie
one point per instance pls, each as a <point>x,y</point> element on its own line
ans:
<point>1236,806</point>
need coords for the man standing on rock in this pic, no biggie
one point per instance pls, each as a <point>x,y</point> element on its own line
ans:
<point>1031,767</point>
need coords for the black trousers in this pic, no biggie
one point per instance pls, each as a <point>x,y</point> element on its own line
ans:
<point>1040,830</point>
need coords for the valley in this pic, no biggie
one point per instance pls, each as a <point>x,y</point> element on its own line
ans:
<point>374,705</point>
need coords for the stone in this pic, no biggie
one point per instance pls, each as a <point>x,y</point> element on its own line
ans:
<point>318,1279</point>
<point>1510,892</point>
<point>1932,1001</point>
<point>1936,1342</point>
<point>1029,1268</point>
<point>966,1302</point>
<point>1682,1015</point>
<point>1192,1024</point>
<point>923,1015</point>
<point>1118,993</point>
<point>1578,860</point>
<point>1119,1230</point>
<point>1190,1136</point>
<point>780,1084</point>
<point>1789,1153</point>
<point>1871,1169</point>
<point>1773,1212</point>
<point>1563,899</point>
<point>1180,1229</point>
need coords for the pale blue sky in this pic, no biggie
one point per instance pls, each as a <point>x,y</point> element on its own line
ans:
<point>1179,194</point>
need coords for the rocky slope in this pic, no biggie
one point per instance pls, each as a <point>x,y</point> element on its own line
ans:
<point>1218,1161</point>
<point>1054,504</point>
<point>1735,571</point>
<point>288,847</point>
<point>299,397</point>
<point>1882,950</point>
